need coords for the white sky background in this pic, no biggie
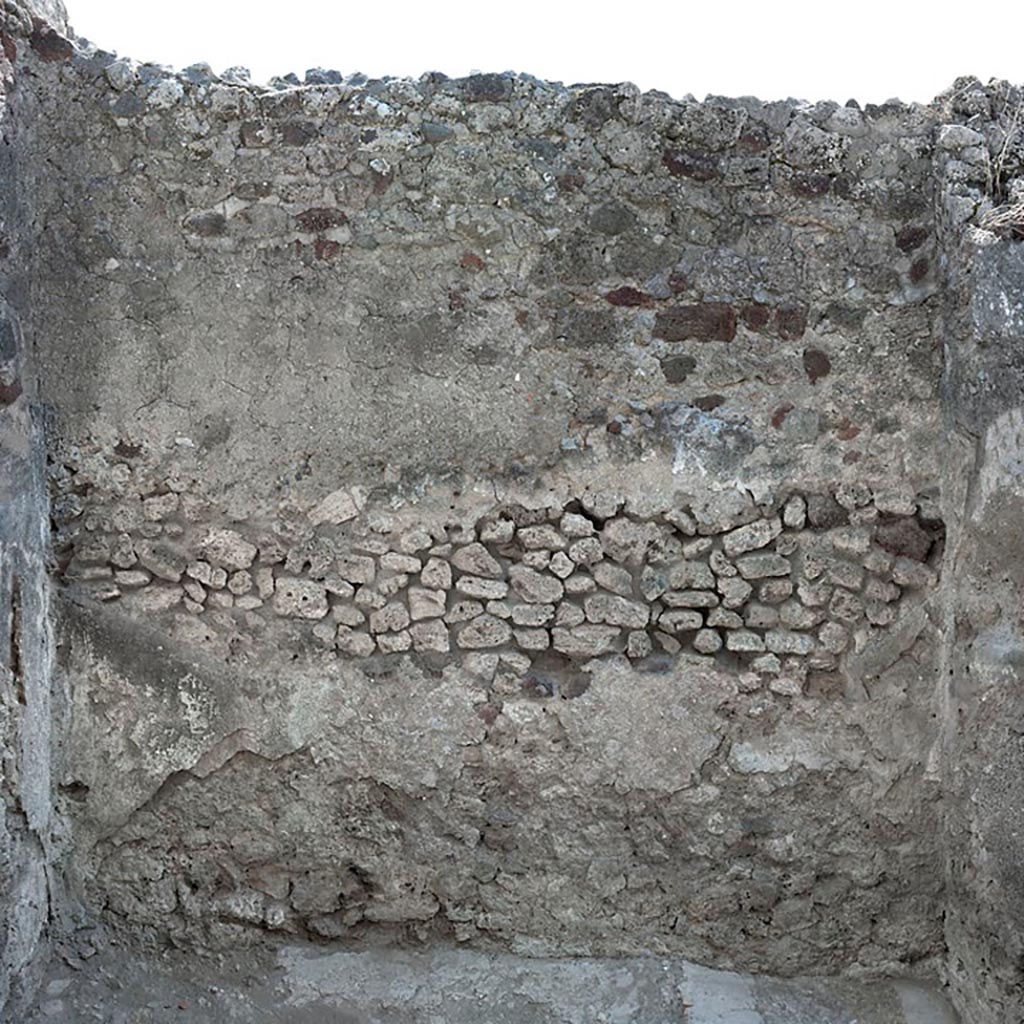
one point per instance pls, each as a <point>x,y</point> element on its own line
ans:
<point>868,50</point>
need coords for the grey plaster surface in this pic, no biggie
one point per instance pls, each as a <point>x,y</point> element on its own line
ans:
<point>306,985</point>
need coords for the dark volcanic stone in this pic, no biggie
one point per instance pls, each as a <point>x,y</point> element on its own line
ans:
<point>824,512</point>
<point>904,536</point>
<point>486,88</point>
<point>816,364</point>
<point>677,368</point>
<point>50,45</point>
<point>691,163</point>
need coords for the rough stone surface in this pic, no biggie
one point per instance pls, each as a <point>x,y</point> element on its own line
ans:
<point>564,519</point>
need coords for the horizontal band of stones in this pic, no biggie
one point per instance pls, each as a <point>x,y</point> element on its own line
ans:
<point>585,580</point>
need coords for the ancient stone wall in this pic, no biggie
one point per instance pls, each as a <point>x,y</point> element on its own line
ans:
<point>980,162</point>
<point>493,511</point>
<point>543,482</point>
<point>32,708</point>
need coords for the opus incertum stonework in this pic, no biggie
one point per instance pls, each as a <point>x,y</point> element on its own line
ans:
<point>563,520</point>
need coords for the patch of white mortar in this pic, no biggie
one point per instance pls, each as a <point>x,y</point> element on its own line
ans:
<point>719,997</point>
<point>1003,460</point>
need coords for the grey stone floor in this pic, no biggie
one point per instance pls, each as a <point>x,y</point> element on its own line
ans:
<point>307,985</point>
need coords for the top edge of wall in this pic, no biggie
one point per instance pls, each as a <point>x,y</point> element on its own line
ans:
<point>493,87</point>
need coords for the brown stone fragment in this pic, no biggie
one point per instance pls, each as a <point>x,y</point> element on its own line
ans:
<point>810,185</point>
<point>321,218</point>
<point>816,364</point>
<point>780,414</point>
<point>755,315</point>
<point>691,163</point>
<point>49,45</point>
<point>708,402</point>
<point>904,537</point>
<point>791,322</point>
<point>702,321</point>
<point>10,393</point>
<point>627,296</point>
<point>910,238</point>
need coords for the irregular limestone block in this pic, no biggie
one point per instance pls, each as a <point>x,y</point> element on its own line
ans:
<point>749,538</point>
<point>163,560</point>
<point>679,620</point>
<point>477,586</point>
<point>775,591</point>
<point>338,507</point>
<point>346,615</point>
<point>760,616</point>
<point>574,525</point>
<point>691,576</point>
<point>545,537</point>
<point>845,574</point>
<point>533,587</point>
<point>698,548</point>
<point>794,513</point>
<point>131,578</point>
<point>744,640</point>
<point>476,560</point>
<point>580,584</point>
<point>264,578</point>
<point>358,569</point>
<point>536,559</point>
<point>587,641</point>
<point>690,598</point>
<point>437,574</point>
<point>724,619</point>
<point>483,632</point>
<point>369,597</point>
<point>395,643</point>
<point>157,509</point>
<point>389,586</point>
<point>614,578</point>
<point>300,599</point>
<point>395,561</point>
<point>638,644</point>
<point>200,571</point>
<point>497,531</point>
<point>833,637</point>
<point>794,615</point>
<point>532,614</point>
<point>240,582</point>
<point>430,636</point>
<point>415,540</point>
<point>720,565</point>
<point>122,552</point>
<point>392,618</point>
<point>784,641</point>
<point>625,540</point>
<point>616,611</point>
<point>426,604</point>
<point>909,573</point>
<point>587,551</point>
<point>653,582</point>
<point>569,614</point>
<point>463,611</point>
<point>707,641</point>
<point>562,565</point>
<point>228,549</point>
<point>755,567</point>
<point>533,639</point>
